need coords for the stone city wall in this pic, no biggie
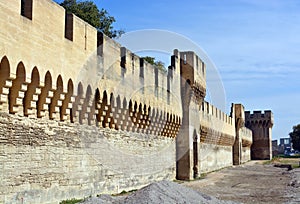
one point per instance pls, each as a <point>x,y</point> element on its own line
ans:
<point>82,120</point>
<point>246,144</point>
<point>46,161</point>
<point>81,115</point>
<point>38,53</point>
<point>40,42</point>
<point>217,138</point>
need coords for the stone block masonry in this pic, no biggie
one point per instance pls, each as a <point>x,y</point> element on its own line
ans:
<point>216,139</point>
<point>46,161</point>
<point>81,115</point>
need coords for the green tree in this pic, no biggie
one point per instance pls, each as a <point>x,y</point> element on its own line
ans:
<point>89,12</point>
<point>150,60</point>
<point>159,64</point>
<point>295,136</point>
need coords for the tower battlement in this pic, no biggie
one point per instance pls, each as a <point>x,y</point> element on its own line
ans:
<point>193,72</point>
<point>265,117</point>
<point>208,109</point>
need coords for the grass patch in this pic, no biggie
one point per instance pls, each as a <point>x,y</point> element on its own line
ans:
<point>272,161</point>
<point>124,192</point>
<point>202,176</point>
<point>71,201</point>
<point>178,181</point>
<point>287,156</point>
<point>291,160</point>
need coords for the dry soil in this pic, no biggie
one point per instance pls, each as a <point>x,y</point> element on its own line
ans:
<point>253,182</point>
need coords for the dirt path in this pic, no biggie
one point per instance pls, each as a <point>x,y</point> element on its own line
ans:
<point>252,182</point>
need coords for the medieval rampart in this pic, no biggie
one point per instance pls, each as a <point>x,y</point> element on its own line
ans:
<point>247,140</point>
<point>40,42</point>
<point>81,115</point>
<point>66,70</point>
<point>217,138</point>
<point>57,71</point>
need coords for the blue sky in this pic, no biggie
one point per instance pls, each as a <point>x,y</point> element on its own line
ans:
<point>254,44</point>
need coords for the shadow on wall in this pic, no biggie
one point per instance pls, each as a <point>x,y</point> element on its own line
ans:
<point>42,100</point>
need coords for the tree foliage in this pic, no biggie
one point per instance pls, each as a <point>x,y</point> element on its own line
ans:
<point>159,64</point>
<point>295,136</point>
<point>89,12</point>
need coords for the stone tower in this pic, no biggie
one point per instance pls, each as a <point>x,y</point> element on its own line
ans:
<point>193,90</point>
<point>239,117</point>
<point>261,125</point>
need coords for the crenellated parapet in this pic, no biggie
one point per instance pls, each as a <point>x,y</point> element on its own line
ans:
<point>75,74</point>
<point>126,74</point>
<point>212,114</point>
<point>46,37</point>
<point>216,126</point>
<point>259,118</point>
<point>87,106</point>
<point>193,77</point>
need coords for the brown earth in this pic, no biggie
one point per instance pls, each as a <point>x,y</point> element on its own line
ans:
<point>253,182</point>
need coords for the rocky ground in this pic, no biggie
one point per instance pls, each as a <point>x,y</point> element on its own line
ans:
<point>253,182</point>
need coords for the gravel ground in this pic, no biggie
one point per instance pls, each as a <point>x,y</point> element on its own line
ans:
<point>252,183</point>
<point>160,192</point>
<point>249,183</point>
<point>294,187</point>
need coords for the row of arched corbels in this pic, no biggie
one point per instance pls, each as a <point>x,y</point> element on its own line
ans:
<point>211,136</point>
<point>199,92</point>
<point>32,98</point>
<point>265,123</point>
<point>246,142</point>
<point>244,133</point>
<point>192,91</point>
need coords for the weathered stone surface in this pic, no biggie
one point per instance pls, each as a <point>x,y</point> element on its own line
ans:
<point>119,115</point>
<point>213,157</point>
<point>46,161</point>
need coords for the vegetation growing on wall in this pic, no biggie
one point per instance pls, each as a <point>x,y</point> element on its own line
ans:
<point>71,201</point>
<point>159,64</point>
